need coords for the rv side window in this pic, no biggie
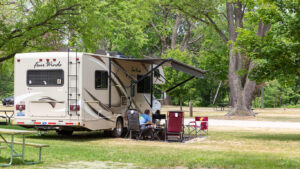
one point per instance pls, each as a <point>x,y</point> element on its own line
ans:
<point>144,85</point>
<point>101,79</point>
<point>41,78</point>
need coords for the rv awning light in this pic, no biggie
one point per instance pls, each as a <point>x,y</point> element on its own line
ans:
<point>54,59</point>
<point>41,60</point>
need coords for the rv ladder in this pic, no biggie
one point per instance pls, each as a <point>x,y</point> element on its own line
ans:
<point>71,100</point>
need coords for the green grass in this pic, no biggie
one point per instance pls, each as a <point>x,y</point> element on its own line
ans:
<point>223,149</point>
<point>267,114</point>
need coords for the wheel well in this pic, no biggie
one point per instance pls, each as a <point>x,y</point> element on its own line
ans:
<point>121,118</point>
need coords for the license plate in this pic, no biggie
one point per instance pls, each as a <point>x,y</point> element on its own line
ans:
<point>20,113</point>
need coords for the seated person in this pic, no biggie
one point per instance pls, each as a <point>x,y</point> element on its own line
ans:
<point>155,118</point>
<point>145,121</point>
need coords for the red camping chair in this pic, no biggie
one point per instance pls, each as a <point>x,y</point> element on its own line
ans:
<point>175,125</point>
<point>194,126</point>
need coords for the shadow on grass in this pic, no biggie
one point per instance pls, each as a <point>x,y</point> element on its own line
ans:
<point>77,136</point>
<point>277,137</point>
<point>17,162</point>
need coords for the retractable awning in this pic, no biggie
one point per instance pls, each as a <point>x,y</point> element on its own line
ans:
<point>196,72</point>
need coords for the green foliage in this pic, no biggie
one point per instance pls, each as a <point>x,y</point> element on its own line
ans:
<point>276,54</point>
<point>6,79</point>
<point>198,91</point>
<point>126,26</point>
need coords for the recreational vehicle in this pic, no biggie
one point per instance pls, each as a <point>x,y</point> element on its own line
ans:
<point>70,91</point>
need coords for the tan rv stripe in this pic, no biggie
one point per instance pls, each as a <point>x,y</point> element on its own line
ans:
<point>99,102</point>
<point>98,113</point>
<point>98,58</point>
<point>118,89</point>
<point>117,77</point>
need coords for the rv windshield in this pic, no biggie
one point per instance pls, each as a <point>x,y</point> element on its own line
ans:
<point>41,78</point>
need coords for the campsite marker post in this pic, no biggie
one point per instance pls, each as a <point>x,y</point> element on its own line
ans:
<point>191,108</point>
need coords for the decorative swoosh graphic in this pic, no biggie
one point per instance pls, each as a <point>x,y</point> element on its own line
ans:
<point>103,106</point>
<point>50,100</point>
<point>96,112</point>
<point>100,104</point>
<point>98,58</point>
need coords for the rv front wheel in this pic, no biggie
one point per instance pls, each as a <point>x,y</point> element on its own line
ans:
<point>118,131</point>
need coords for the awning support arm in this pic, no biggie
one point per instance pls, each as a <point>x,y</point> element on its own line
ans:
<point>119,67</point>
<point>152,69</point>
<point>179,84</point>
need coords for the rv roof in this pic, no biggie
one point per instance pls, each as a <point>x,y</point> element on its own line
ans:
<point>170,63</point>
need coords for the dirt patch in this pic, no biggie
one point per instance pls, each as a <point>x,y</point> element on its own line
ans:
<point>94,164</point>
<point>197,140</point>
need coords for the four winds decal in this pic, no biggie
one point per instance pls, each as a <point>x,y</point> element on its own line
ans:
<point>40,64</point>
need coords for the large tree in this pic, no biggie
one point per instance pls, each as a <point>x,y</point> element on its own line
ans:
<point>242,17</point>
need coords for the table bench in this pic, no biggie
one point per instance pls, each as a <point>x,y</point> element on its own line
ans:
<point>6,116</point>
<point>11,144</point>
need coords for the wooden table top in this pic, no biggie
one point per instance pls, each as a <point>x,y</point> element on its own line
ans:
<point>16,132</point>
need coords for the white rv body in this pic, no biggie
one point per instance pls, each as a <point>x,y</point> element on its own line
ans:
<point>69,91</point>
<point>70,81</point>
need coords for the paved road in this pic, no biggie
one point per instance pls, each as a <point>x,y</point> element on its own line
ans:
<point>251,124</point>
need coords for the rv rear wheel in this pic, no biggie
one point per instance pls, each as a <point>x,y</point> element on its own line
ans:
<point>118,131</point>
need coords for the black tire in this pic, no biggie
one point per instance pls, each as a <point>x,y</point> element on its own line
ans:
<point>4,104</point>
<point>64,132</point>
<point>119,129</point>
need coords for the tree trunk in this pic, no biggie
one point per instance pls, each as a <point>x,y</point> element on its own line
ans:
<point>167,101</point>
<point>262,97</point>
<point>175,30</point>
<point>241,87</point>
<point>280,101</point>
<point>180,102</point>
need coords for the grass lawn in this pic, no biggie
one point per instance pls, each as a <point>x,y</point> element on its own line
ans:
<point>267,114</point>
<point>224,148</point>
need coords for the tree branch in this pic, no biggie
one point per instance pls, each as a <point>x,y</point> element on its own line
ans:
<point>193,16</point>
<point>196,39</point>
<point>175,29</point>
<point>223,36</point>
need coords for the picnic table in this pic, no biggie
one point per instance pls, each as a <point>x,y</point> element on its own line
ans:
<point>6,116</point>
<point>11,143</point>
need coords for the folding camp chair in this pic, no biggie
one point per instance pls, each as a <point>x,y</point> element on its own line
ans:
<point>200,124</point>
<point>134,124</point>
<point>175,127</point>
